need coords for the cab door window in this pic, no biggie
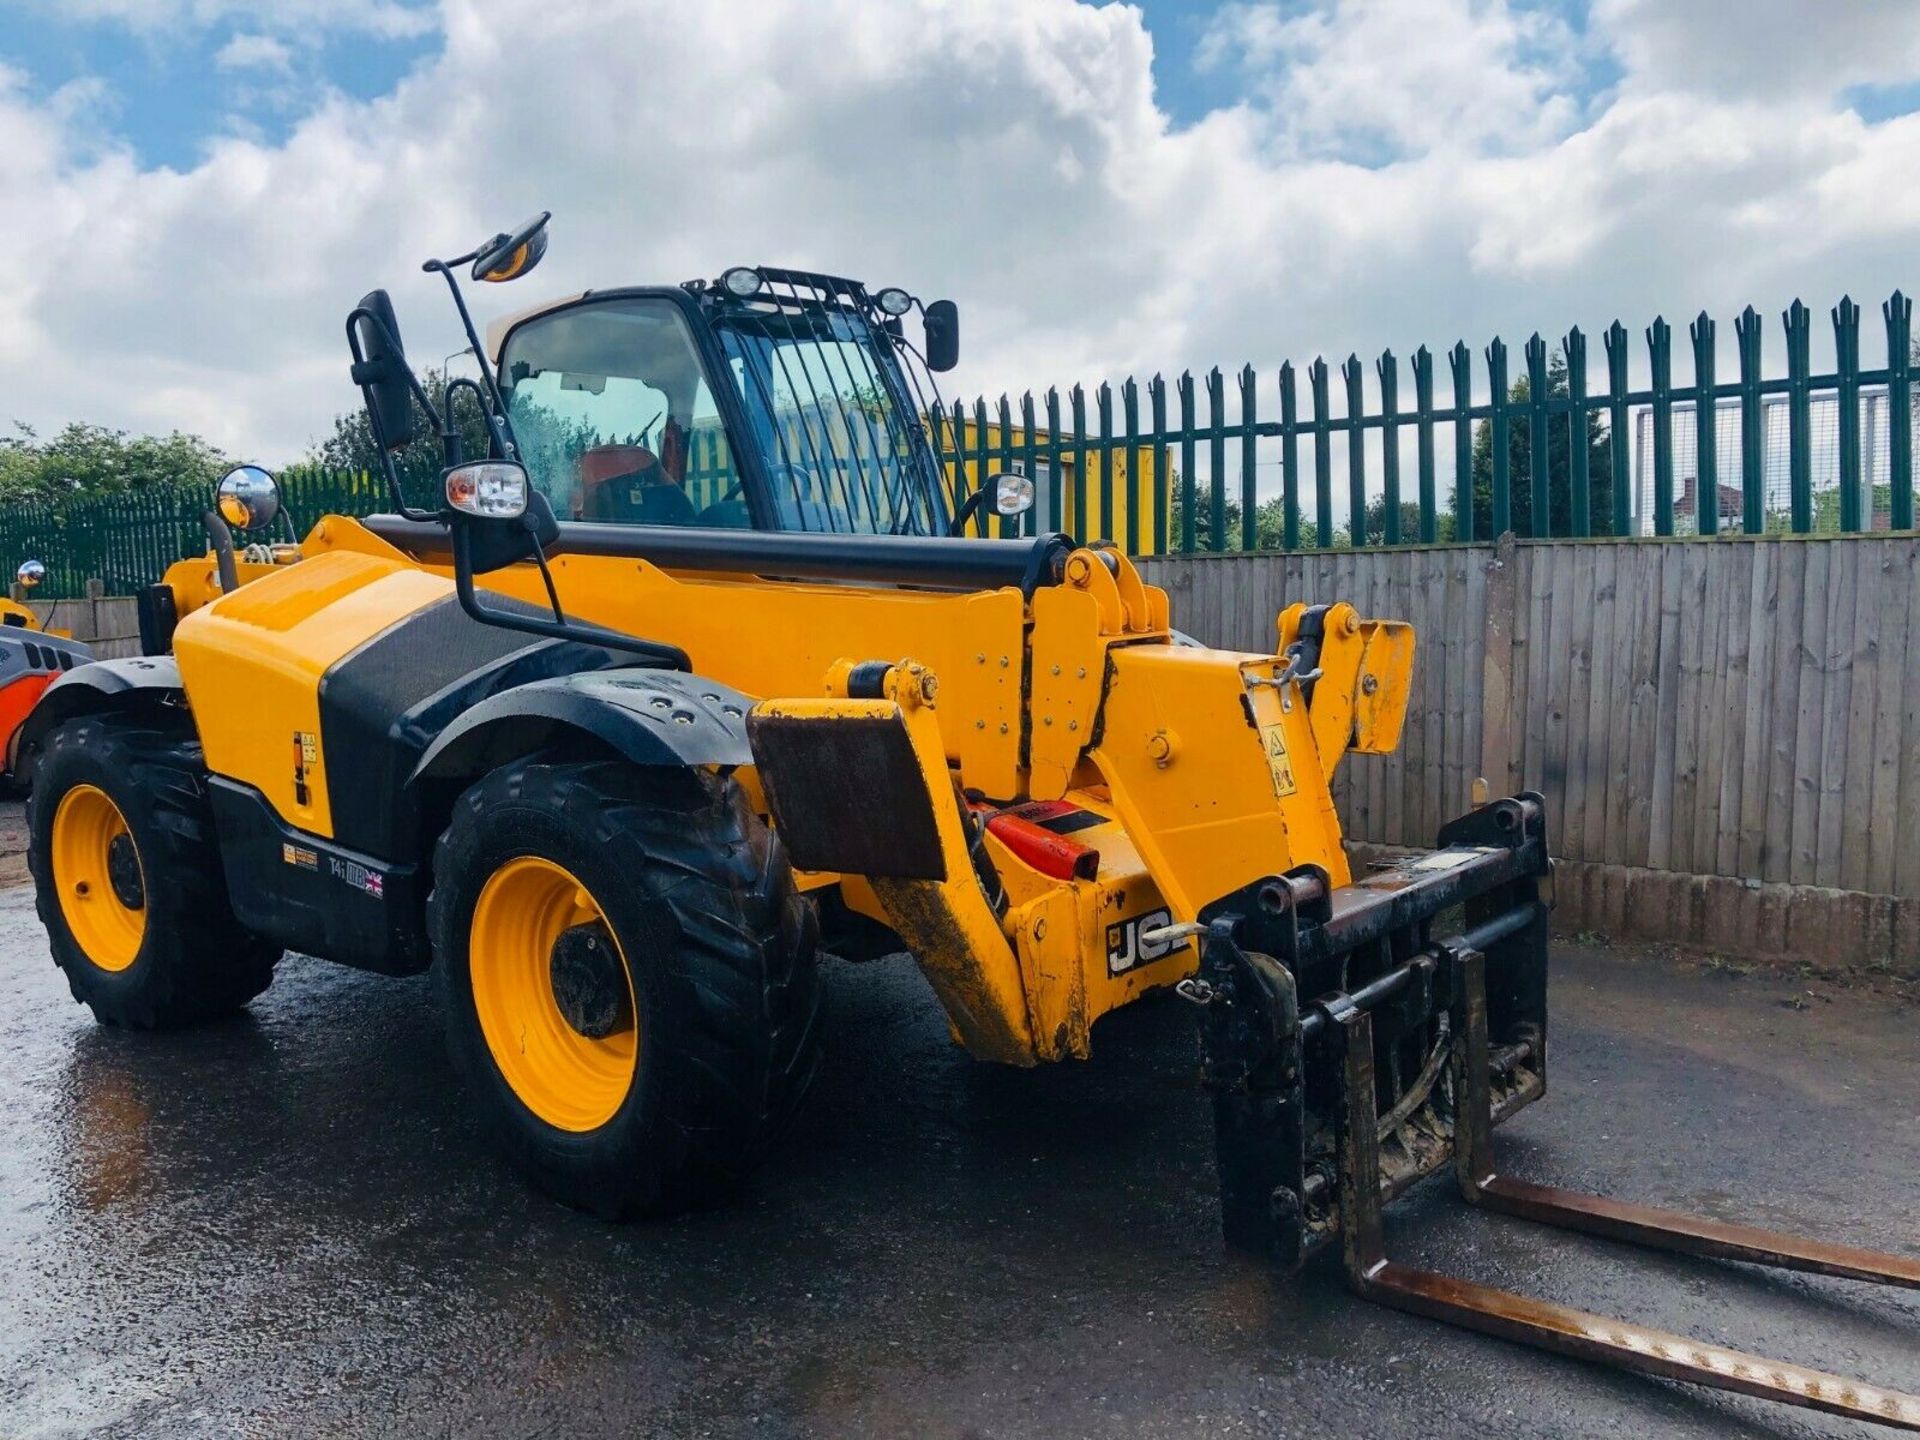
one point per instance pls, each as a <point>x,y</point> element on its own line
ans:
<point>615,418</point>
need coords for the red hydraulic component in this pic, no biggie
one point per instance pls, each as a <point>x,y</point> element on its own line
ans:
<point>1053,855</point>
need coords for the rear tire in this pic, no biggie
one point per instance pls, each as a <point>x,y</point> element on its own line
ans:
<point>128,879</point>
<point>646,1096</point>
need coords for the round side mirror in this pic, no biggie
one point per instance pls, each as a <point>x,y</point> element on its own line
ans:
<point>1012,493</point>
<point>248,497</point>
<point>30,573</point>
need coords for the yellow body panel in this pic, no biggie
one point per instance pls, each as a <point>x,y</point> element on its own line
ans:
<point>772,638</point>
<point>252,662</point>
<point>1211,802</point>
<point>1211,768</point>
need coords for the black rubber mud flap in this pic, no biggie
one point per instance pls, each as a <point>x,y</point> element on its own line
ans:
<point>847,794</point>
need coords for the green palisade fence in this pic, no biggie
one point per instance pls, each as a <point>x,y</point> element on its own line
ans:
<point>1773,446</point>
<point>127,540</point>
<point>1586,446</point>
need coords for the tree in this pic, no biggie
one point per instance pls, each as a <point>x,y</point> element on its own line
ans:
<point>1202,518</point>
<point>1599,464</point>
<point>1269,522</point>
<point>1409,522</point>
<point>351,445</point>
<point>87,460</point>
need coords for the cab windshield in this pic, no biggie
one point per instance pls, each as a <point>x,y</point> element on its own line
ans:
<point>616,419</point>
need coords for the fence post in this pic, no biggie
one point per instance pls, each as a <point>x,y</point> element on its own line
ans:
<point>1188,491</point>
<point>1846,349</point>
<point>1539,460</point>
<point>1157,406</point>
<point>1423,405</point>
<point>1249,477</point>
<point>1617,438</point>
<point>1660,353</point>
<point>1898,313</point>
<point>1502,474</point>
<point>1289,460</point>
<point>1322,461</point>
<point>1706,468</point>
<point>1579,454</point>
<point>1753,427</point>
<point>1460,360</point>
<point>1389,371</point>
<point>96,588</point>
<point>1217,455</point>
<point>1077,399</point>
<point>1496,674</point>
<point>1799,322</point>
<point>1356,451</point>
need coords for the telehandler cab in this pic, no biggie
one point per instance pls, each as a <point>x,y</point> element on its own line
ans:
<point>688,671</point>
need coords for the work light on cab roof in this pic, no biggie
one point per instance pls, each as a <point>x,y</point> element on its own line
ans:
<point>742,281</point>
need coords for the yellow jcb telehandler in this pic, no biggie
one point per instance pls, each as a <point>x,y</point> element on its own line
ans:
<point>689,674</point>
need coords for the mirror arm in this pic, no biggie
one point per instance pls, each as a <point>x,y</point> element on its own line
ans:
<point>968,509</point>
<point>671,655</point>
<point>498,426</point>
<point>220,538</point>
<point>451,441</point>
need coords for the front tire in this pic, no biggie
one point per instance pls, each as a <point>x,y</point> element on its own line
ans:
<point>128,878</point>
<point>628,977</point>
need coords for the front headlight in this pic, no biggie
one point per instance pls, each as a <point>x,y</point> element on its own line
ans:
<point>492,489</point>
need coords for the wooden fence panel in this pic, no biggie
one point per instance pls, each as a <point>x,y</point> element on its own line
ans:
<point>1731,707</point>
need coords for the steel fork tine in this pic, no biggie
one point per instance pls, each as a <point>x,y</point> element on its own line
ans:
<point>1557,1328</point>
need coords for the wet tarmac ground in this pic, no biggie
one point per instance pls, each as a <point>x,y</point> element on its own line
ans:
<point>290,1224</point>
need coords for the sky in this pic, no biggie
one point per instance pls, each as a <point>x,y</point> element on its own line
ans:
<point>199,190</point>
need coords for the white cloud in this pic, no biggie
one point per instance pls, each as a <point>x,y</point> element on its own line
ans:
<point>1411,74</point>
<point>1762,49</point>
<point>255,52</point>
<point>390,19</point>
<point>1006,152</point>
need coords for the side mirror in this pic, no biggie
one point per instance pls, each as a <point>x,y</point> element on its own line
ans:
<point>513,253</point>
<point>381,371</point>
<point>248,498</point>
<point>943,335</point>
<point>1012,493</point>
<point>30,574</point>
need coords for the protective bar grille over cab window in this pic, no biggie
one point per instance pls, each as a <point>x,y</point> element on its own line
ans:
<point>841,437</point>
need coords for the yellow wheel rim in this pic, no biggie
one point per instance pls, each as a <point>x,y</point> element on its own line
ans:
<point>99,877</point>
<point>570,1059</point>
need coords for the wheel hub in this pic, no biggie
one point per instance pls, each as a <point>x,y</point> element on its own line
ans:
<point>589,985</point>
<point>123,872</point>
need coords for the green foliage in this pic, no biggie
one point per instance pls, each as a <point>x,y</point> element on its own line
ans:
<point>1409,523</point>
<point>1270,523</point>
<point>89,460</point>
<point>351,445</point>
<point>1202,517</point>
<point>1599,464</point>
